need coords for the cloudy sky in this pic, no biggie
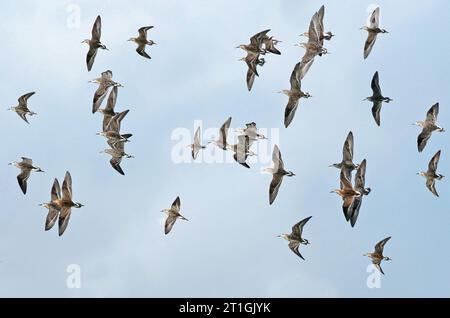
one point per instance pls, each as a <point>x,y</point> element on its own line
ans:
<point>229,246</point>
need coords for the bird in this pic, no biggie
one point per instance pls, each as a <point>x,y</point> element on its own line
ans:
<point>278,172</point>
<point>196,146</point>
<point>253,61</point>
<point>251,131</point>
<point>94,43</point>
<point>256,42</point>
<point>142,41</point>
<point>22,109</point>
<point>108,112</point>
<point>372,29</point>
<point>105,82</point>
<point>431,174</point>
<point>221,142</point>
<point>347,193</point>
<point>295,237</point>
<point>65,204</point>
<point>294,94</point>
<point>173,213</point>
<point>26,167</point>
<point>377,256</point>
<point>242,150</point>
<point>112,130</point>
<point>117,152</point>
<point>314,46</point>
<point>428,126</point>
<point>347,157</point>
<point>360,181</point>
<point>377,98</point>
<point>52,206</point>
<point>322,35</point>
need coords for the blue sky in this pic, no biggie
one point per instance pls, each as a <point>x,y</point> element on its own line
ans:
<point>229,246</point>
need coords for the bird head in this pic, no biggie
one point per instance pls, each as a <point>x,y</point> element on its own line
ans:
<point>14,163</point>
<point>132,39</point>
<point>418,123</point>
<point>86,41</point>
<point>242,46</point>
<point>422,174</point>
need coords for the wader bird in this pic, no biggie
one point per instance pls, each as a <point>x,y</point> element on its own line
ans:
<point>26,167</point>
<point>428,126</point>
<point>196,146</point>
<point>347,157</point>
<point>377,256</point>
<point>22,109</point>
<point>52,206</point>
<point>94,43</point>
<point>372,29</point>
<point>221,142</point>
<point>142,41</point>
<point>347,193</point>
<point>431,174</point>
<point>295,238</point>
<point>360,181</point>
<point>278,172</point>
<point>377,98</point>
<point>294,94</point>
<point>105,82</point>
<point>173,213</point>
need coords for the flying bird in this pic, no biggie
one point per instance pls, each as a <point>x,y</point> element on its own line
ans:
<point>347,193</point>
<point>372,29</point>
<point>295,237</point>
<point>256,42</point>
<point>242,150</point>
<point>105,82</point>
<point>347,157</point>
<point>251,131</point>
<point>22,109</point>
<point>94,43</point>
<point>142,41</point>
<point>431,174</point>
<point>221,142</point>
<point>428,126</point>
<point>253,61</point>
<point>278,172</point>
<point>112,130</point>
<point>377,256</point>
<point>320,28</point>
<point>26,167</point>
<point>294,94</point>
<point>117,152</point>
<point>196,146</point>
<point>360,183</point>
<point>377,98</point>
<point>173,213</point>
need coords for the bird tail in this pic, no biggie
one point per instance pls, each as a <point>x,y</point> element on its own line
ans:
<point>440,176</point>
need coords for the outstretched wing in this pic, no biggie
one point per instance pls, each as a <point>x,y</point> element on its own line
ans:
<point>380,245</point>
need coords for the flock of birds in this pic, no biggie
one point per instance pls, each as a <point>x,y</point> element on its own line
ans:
<point>60,205</point>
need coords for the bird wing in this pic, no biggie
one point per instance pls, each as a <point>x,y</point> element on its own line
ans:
<point>56,191</point>
<point>197,137</point>
<point>141,51</point>
<point>67,187</point>
<point>51,218</point>
<point>347,150</point>
<point>97,29</point>
<point>431,186</point>
<point>433,113</point>
<point>375,18</point>
<point>28,161</point>
<point>294,245</point>
<point>370,42</point>
<point>294,80</point>
<point>277,159</point>
<point>360,177</point>
<point>143,32</point>
<point>223,132</point>
<point>112,99</point>
<point>297,229</point>
<point>314,28</point>
<point>274,187</point>
<point>250,79</point>
<point>433,164</point>
<point>256,40</point>
<point>423,138</point>
<point>63,221</point>
<point>24,98</point>
<point>375,85</point>
<point>345,182</point>
<point>378,266</point>
<point>90,57</point>
<point>115,122</point>
<point>176,205</point>
<point>270,46</point>
<point>290,110</point>
<point>170,221</point>
<point>353,210</point>
<point>348,201</point>
<point>380,245</point>
<point>115,163</point>
<point>99,96</point>
<point>376,109</point>
<point>22,179</point>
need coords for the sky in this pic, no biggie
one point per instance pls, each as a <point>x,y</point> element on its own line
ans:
<point>228,248</point>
